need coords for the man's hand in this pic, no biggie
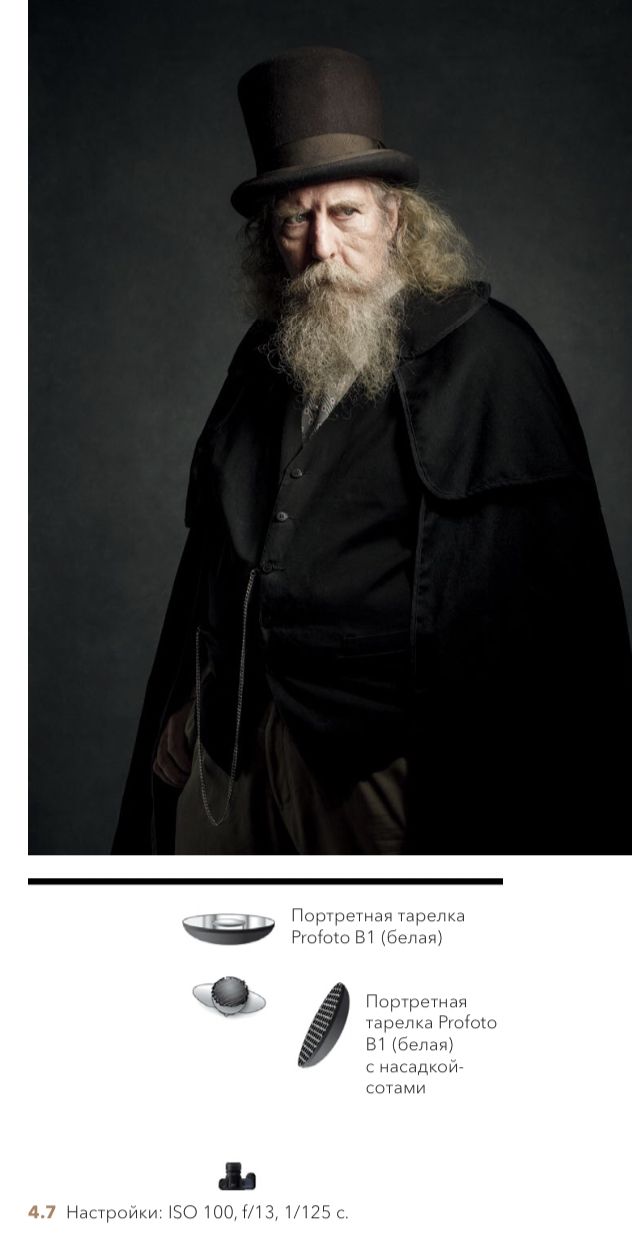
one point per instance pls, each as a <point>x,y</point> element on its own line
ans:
<point>173,760</point>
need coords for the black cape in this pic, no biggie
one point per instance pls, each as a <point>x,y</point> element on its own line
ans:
<point>520,654</point>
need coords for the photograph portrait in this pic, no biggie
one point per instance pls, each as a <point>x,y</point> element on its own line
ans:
<point>330,446</point>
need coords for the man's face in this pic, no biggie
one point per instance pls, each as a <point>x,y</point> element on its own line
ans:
<point>338,222</point>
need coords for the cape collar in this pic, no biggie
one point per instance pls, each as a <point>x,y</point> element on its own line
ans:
<point>487,409</point>
<point>428,321</point>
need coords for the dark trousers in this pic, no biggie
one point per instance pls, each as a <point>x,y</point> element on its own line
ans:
<point>280,805</point>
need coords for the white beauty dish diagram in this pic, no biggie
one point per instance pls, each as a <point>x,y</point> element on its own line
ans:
<point>229,929</point>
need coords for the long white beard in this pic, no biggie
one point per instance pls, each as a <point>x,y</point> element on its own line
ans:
<point>335,328</point>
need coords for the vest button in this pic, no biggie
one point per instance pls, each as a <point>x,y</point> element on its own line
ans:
<point>296,473</point>
<point>281,516</point>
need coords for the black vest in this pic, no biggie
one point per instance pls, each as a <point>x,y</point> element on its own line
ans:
<point>330,527</point>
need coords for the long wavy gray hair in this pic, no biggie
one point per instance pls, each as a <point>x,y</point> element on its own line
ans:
<point>428,251</point>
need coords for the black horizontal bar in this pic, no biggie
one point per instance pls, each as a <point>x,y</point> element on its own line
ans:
<point>252,882</point>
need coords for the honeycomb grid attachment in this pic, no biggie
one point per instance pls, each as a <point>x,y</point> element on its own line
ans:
<point>326,1026</point>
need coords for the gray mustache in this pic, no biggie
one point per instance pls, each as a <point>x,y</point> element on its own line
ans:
<point>324,275</point>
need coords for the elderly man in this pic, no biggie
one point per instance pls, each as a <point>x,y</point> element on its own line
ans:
<point>397,625</point>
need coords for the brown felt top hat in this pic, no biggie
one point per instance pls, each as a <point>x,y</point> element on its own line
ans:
<point>314,114</point>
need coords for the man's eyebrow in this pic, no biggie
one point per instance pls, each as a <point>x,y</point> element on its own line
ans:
<point>346,204</point>
<point>284,212</point>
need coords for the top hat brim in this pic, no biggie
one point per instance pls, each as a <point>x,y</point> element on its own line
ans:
<point>389,165</point>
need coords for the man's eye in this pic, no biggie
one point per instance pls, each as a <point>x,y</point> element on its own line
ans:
<point>347,210</point>
<point>295,218</point>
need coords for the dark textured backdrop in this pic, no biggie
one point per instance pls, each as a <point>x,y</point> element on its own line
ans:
<point>518,114</point>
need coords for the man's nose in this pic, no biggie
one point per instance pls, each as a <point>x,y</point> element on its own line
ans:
<point>322,239</point>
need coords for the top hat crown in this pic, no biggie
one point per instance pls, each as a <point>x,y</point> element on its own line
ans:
<point>314,114</point>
